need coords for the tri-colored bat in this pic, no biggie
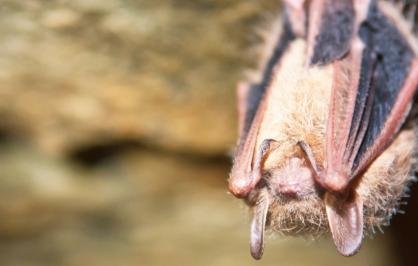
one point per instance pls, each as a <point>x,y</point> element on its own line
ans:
<point>325,143</point>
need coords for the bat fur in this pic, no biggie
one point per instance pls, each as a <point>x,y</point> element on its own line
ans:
<point>295,107</point>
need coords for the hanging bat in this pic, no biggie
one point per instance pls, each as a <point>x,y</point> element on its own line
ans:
<point>325,143</point>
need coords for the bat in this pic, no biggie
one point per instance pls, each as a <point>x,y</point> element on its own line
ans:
<point>325,143</point>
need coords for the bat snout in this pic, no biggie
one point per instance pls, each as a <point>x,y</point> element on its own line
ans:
<point>292,180</point>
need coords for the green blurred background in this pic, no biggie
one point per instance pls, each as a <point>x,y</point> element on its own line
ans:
<point>117,120</point>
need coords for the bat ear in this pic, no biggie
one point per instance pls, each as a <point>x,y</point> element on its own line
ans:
<point>345,218</point>
<point>258,226</point>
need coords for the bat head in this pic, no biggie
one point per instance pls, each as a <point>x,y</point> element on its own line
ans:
<point>293,181</point>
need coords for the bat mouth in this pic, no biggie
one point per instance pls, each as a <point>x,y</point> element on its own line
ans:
<point>285,212</point>
<point>292,192</point>
<point>288,214</point>
<point>284,193</point>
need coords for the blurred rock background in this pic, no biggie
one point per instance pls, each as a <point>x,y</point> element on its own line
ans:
<point>116,121</point>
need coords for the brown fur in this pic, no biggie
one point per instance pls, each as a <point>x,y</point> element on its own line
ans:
<point>283,182</point>
<point>297,110</point>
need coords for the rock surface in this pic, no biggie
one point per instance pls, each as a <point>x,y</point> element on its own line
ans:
<point>161,72</point>
<point>115,121</point>
<point>142,208</point>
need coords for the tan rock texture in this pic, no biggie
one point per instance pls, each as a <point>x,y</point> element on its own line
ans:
<point>160,71</point>
<point>116,118</point>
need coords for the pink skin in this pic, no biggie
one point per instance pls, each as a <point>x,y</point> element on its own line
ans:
<point>296,4</point>
<point>293,180</point>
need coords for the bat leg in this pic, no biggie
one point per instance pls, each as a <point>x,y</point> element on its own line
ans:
<point>265,148</point>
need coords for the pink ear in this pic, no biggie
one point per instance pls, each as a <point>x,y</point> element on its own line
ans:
<point>258,226</point>
<point>345,218</point>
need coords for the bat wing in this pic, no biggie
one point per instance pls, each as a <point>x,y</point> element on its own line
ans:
<point>371,96</point>
<point>331,25</point>
<point>250,110</point>
<point>250,95</point>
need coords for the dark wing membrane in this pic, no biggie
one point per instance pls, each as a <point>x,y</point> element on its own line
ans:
<point>393,67</point>
<point>336,24</point>
<point>372,91</point>
<point>367,112</point>
<point>415,17</point>
<point>257,91</point>
<point>364,97</point>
